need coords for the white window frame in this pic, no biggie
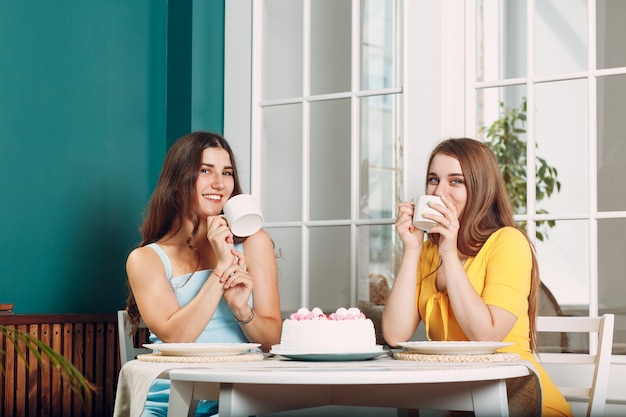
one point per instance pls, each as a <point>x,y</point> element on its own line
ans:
<point>438,99</point>
<point>435,111</point>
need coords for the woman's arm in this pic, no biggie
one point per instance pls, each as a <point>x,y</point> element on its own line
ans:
<point>260,263</point>
<point>400,315</point>
<point>489,316</point>
<point>157,302</point>
<point>478,320</point>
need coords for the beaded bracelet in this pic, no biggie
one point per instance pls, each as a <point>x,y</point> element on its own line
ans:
<point>245,321</point>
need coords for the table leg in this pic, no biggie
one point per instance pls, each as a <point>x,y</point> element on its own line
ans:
<point>181,393</point>
<point>490,399</point>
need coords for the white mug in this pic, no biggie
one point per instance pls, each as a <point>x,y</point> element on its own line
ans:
<point>243,215</point>
<point>421,206</point>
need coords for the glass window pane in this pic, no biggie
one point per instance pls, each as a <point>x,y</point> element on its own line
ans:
<point>380,253</point>
<point>331,26</point>
<point>378,61</point>
<point>560,36</point>
<point>500,39</point>
<point>562,126</point>
<point>380,173</point>
<point>282,49</point>
<point>611,144</point>
<point>288,248</point>
<point>329,271</point>
<point>281,154</point>
<point>330,160</point>
<point>564,264</point>
<point>611,267</point>
<point>501,121</point>
<point>611,33</point>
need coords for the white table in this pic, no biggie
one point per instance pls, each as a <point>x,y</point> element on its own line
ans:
<point>278,385</point>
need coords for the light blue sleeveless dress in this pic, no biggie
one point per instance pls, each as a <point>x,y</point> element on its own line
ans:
<point>222,328</point>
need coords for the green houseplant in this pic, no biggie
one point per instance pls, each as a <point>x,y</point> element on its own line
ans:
<point>24,342</point>
<point>504,137</point>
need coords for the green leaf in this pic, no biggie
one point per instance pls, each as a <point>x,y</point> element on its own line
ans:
<point>504,137</point>
<point>42,351</point>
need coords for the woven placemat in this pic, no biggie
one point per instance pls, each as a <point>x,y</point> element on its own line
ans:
<point>420,357</point>
<point>157,357</point>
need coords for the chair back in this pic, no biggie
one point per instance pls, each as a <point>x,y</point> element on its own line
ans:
<point>547,305</point>
<point>581,376</point>
<point>128,351</point>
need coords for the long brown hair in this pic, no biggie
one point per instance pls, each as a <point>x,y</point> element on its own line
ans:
<point>488,207</point>
<point>174,198</point>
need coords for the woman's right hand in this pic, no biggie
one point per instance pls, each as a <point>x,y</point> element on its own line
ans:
<point>400,317</point>
<point>221,239</point>
<point>411,236</point>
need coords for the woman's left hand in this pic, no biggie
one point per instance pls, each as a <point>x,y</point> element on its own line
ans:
<point>237,283</point>
<point>448,227</point>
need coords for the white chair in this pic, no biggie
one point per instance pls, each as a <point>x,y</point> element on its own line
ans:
<point>128,351</point>
<point>581,376</point>
<point>547,305</point>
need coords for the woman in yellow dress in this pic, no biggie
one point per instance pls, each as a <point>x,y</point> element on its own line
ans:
<point>475,277</point>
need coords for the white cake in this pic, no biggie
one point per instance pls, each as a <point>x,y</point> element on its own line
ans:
<point>346,330</point>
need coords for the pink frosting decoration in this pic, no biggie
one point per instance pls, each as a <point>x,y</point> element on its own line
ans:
<point>317,314</point>
<point>304,314</point>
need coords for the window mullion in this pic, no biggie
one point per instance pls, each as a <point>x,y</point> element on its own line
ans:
<point>452,62</point>
<point>593,159</point>
<point>530,121</point>
<point>306,145</point>
<point>256,162</point>
<point>355,144</point>
<point>470,68</point>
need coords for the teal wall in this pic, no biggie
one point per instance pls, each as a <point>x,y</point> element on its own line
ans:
<point>91,95</point>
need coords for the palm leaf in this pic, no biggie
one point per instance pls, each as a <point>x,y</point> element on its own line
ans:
<point>41,352</point>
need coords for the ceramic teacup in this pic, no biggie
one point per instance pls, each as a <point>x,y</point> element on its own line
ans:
<point>243,215</point>
<point>421,207</point>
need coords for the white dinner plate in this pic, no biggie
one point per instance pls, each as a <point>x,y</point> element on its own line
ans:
<point>454,348</point>
<point>202,349</point>
<point>328,356</point>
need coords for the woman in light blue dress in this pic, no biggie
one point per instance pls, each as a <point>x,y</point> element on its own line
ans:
<point>191,280</point>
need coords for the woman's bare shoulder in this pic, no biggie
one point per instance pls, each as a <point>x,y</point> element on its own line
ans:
<point>141,255</point>
<point>259,239</point>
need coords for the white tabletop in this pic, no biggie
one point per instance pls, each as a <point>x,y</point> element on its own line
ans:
<point>277,385</point>
<point>384,370</point>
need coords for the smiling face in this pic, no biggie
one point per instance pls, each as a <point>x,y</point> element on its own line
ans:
<point>445,176</point>
<point>215,182</point>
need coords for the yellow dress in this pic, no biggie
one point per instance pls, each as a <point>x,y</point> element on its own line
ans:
<point>500,273</point>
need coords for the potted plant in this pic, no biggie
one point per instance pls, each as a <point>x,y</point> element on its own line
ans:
<point>504,137</point>
<point>24,342</point>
